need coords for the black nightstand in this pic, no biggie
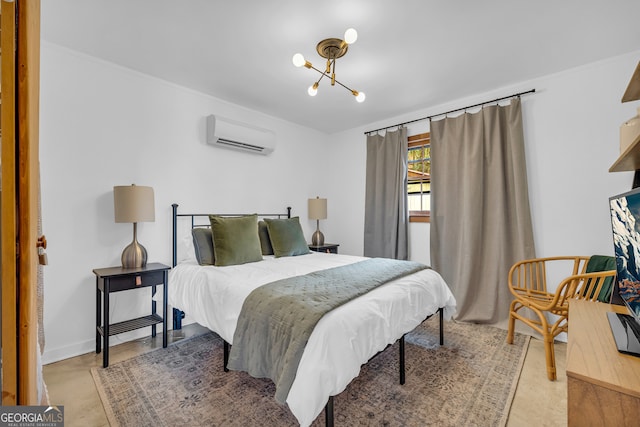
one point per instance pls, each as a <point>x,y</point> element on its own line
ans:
<point>330,248</point>
<point>116,279</point>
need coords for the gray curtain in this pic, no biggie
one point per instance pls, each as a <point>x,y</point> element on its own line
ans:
<point>480,215</point>
<point>386,207</point>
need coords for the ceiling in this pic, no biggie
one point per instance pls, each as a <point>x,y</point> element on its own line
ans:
<point>410,54</point>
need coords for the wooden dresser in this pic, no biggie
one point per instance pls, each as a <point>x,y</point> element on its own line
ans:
<point>603,384</point>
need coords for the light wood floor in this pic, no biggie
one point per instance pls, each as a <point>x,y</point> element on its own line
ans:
<point>537,402</point>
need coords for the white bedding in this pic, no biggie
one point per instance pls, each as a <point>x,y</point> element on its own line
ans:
<point>342,341</point>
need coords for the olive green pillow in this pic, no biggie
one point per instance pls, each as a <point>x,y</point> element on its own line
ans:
<point>265,241</point>
<point>235,239</point>
<point>286,237</point>
<point>203,245</point>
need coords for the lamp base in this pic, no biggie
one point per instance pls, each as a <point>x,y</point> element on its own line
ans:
<point>318,238</point>
<point>134,256</point>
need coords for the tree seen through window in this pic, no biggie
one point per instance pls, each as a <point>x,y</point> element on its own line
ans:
<point>419,177</point>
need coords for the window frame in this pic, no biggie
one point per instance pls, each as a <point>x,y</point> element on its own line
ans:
<point>421,139</point>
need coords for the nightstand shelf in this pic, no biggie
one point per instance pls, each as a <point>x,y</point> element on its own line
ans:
<point>132,325</point>
<point>117,279</point>
<point>330,248</point>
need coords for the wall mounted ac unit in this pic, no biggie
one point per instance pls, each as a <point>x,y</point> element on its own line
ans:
<point>226,133</point>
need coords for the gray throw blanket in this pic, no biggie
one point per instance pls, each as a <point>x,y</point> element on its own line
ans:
<point>277,319</point>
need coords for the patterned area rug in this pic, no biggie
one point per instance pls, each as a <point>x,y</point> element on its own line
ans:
<point>470,381</point>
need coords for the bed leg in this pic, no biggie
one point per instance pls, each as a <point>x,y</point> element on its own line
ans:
<point>226,355</point>
<point>328,412</point>
<point>402,373</point>
<point>441,311</point>
<point>178,315</point>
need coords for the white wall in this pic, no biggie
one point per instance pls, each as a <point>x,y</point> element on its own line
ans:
<point>103,125</point>
<point>571,127</point>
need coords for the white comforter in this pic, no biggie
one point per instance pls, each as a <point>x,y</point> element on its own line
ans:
<point>342,341</point>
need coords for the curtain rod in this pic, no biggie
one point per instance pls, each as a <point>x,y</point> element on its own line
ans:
<point>451,111</point>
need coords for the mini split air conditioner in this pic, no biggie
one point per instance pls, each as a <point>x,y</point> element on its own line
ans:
<point>226,133</point>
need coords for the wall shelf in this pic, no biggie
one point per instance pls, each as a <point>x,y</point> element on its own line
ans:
<point>633,89</point>
<point>629,160</point>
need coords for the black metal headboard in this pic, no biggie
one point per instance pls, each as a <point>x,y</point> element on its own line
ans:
<point>202,220</point>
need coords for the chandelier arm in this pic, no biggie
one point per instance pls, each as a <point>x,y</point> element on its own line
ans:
<point>321,72</point>
<point>333,72</point>
<point>321,77</point>
<point>347,88</point>
<point>329,76</point>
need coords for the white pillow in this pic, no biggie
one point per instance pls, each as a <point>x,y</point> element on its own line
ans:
<point>186,250</point>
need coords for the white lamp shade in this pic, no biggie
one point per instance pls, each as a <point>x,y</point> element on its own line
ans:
<point>133,203</point>
<point>317,208</point>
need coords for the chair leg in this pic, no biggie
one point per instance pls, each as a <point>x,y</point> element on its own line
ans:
<point>551,358</point>
<point>512,326</point>
<point>512,322</point>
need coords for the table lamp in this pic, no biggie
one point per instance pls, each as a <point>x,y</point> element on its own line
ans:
<point>133,203</point>
<point>317,211</point>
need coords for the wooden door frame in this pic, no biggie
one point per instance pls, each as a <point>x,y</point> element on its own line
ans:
<point>28,79</point>
<point>9,214</point>
<point>20,178</point>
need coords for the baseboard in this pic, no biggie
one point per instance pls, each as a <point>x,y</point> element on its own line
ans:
<point>66,352</point>
<point>89,346</point>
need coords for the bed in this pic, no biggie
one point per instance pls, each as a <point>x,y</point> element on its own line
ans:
<point>343,339</point>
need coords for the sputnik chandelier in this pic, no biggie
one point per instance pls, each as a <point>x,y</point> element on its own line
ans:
<point>330,49</point>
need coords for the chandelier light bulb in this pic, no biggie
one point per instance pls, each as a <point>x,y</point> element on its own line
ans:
<point>350,36</point>
<point>313,89</point>
<point>360,97</point>
<point>298,60</point>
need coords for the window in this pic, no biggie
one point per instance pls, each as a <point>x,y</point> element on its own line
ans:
<point>419,177</point>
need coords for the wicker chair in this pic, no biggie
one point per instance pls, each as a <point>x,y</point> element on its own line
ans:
<point>528,284</point>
